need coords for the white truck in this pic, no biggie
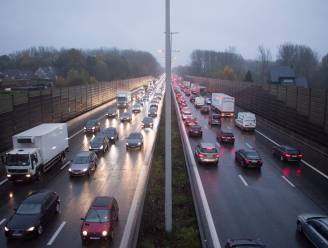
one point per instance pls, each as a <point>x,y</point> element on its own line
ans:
<point>123,99</point>
<point>224,104</point>
<point>246,121</point>
<point>35,151</point>
<point>199,101</point>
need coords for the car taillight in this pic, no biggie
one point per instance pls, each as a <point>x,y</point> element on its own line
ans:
<point>201,155</point>
<point>287,155</point>
<point>217,155</point>
<point>300,156</point>
<point>260,162</point>
<point>247,161</point>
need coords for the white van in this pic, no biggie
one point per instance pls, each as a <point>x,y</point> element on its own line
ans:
<point>199,101</point>
<point>246,121</point>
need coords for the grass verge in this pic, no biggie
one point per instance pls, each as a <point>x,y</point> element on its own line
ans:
<point>185,230</point>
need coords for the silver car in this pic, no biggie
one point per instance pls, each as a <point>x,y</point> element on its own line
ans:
<point>125,116</point>
<point>134,141</point>
<point>315,228</point>
<point>83,164</point>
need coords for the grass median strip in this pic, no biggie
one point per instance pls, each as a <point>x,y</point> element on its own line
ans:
<point>185,230</point>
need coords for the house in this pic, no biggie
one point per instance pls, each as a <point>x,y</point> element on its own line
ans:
<point>46,73</point>
<point>282,75</point>
<point>17,74</point>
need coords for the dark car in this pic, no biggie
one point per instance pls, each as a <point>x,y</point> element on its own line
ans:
<point>112,113</point>
<point>287,153</point>
<point>32,215</point>
<point>315,228</point>
<point>248,158</point>
<point>152,112</point>
<point>192,99</point>
<point>92,126</point>
<point>205,110</point>
<point>226,136</point>
<point>125,116</point>
<point>244,243</point>
<point>134,140</point>
<point>100,220</point>
<point>84,163</point>
<point>111,133</point>
<point>195,131</point>
<point>100,143</point>
<point>136,108</point>
<point>214,118</point>
<point>207,153</point>
<point>154,105</point>
<point>147,122</point>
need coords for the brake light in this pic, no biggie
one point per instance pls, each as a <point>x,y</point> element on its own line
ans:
<point>201,155</point>
<point>247,161</point>
<point>217,155</point>
<point>287,155</point>
<point>300,155</point>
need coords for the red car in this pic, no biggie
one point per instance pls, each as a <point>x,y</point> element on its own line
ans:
<point>100,220</point>
<point>195,131</point>
<point>191,121</point>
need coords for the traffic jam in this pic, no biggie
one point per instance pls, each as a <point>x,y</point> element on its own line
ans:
<point>224,144</point>
<point>37,151</point>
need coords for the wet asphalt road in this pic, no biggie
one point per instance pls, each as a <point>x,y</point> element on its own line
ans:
<point>247,203</point>
<point>117,175</point>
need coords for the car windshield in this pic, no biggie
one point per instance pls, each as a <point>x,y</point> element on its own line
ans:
<point>18,160</point>
<point>97,215</point>
<point>109,131</point>
<point>81,160</point>
<point>147,120</point>
<point>136,106</point>
<point>252,155</point>
<point>29,208</point>
<point>125,114</point>
<point>134,136</point>
<point>292,151</point>
<point>196,128</point>
<point>227,134</point>
<point>97,140</point>
<point>121,98</point>
<point>112,111</point>
<point>209,150</point>
<point>216,117</point>
<point>90,123</point>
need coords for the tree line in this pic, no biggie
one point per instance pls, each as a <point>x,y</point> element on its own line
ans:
<point>232,66</point>
<point>76,66</point>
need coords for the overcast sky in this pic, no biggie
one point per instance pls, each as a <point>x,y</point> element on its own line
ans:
<point>139,24</point>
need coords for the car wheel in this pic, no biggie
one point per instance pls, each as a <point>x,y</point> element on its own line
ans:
<point>39,230</point>
<point>57,208</point>
<point>299,227</point>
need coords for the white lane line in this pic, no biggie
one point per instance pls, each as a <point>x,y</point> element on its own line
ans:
<point>67,163</point>
<point>249,146</point>
<point>289,182</point>
<point>303,161</point>
<point>243,180</point>
<point>78,132</point>
<point>3,181</point>
<point>56,233</point>
<point>2,221</point>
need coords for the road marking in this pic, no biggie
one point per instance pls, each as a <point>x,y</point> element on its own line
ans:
<point>78,132</point>
<point>3,181</point>
<point>289,182</point>
<point>303,161</point>
<point>243,180</point>
<point>249,146</point>
<point>2,221</point>
<point>56,233</point>
<point>67,163</point>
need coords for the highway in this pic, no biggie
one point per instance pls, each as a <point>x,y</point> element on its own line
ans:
<point>248,203</point>
<point>118,175</point>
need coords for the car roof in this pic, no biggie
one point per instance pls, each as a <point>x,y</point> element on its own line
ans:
<point>83,154</point>
<point>245,242</point>
<point>204,145</point>
<point>288,147</point>
<point>92,121</point>
<point>37,197</point>
<point>109,129</point>
<point>102,202</point>
<point>225,130</point>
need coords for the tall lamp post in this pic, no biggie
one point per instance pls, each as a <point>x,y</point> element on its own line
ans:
<point>168,151</point>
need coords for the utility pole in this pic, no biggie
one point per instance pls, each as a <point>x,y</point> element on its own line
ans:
<point>168,147</point>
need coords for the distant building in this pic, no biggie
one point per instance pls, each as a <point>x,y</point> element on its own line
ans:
<point>17,74</point>
<point>301,82</point>
<point>46,73</point>
<point>282,75</point>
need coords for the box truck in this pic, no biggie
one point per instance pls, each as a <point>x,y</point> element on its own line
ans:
<point>224,104</point>
<point>35,151</point>
<point>123,99</point>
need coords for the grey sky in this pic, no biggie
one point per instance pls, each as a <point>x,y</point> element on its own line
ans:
<point>139,24</point>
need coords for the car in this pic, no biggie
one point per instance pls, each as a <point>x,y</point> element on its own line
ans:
<point>214,118</point>
<point>248,158</point>
<point>314,227</point>
<point>136,108</point>
<point>125,116</point>
<point>145,98</point>
<point>112,113</point>
<point>32,215</point>
<point>187,93</point>
<point>208,101</point>
<point>152,112</point>
<point>195,131</point>
<point>226,136</point>
<point>99,144</point>
<point>207,153</point>
<point>134,141</point>
<point>183,105</point>
<point>111,133</point>
<point>153,105</point>
<point>205,109</point>
<point>190,121</point>
<point>287,153</point>
<point>244,243</point>
<point>147,122</point>
<point>140,101</point>
<point>192,99</point>
<point>92,126</point>
<point>84,163</point>
<point>101,219</point>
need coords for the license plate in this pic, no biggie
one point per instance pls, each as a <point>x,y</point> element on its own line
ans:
<point>254,161</point>
<point>294,156</point>
<point>17,234</point>
<point>94,238</point>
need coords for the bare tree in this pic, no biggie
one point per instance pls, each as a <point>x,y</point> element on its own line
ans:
<point>264,62</point>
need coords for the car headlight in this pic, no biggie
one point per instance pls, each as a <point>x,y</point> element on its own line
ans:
<point>6,229</point>
<point>85,128</point>
<point>31,229</point>
<point>104,233</point>
<point>28,175</point>
<point>84,233</point>
<point>90,147</point>
<point>127,143</point>
<point>93,128</point>
<point>139,143</point>
<point>112,138</point>
<point>69,169</point>
<point>101,147</point>
<point>8,175</point>
<point>84,170</point>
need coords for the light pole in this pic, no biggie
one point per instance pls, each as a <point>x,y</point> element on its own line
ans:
<point>168,151</point>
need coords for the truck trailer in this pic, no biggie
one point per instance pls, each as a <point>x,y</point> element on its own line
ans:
<point>224,104</point>
<point>35,151</point>
<point>123,99</point>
